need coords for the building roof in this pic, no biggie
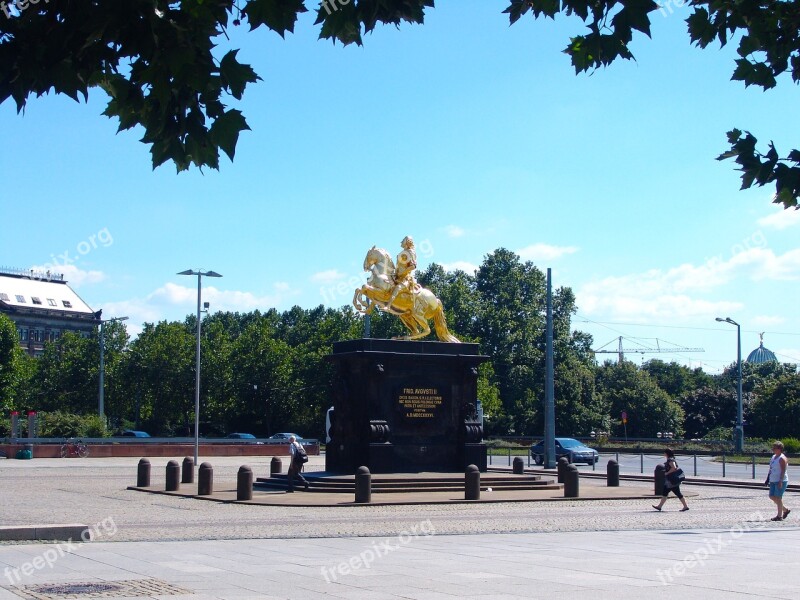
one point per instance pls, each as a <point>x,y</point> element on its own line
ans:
<point>41,291</point>
<point>761,354</point>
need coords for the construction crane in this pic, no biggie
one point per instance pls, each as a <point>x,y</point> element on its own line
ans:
<point>620,351</point>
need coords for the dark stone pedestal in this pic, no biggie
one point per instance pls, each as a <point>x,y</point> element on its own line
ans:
<point>402,406</point>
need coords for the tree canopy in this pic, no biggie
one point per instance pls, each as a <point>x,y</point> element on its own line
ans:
<point>155,60</point>
<point>264,372</point>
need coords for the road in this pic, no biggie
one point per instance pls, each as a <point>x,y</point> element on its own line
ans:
<point>700,466</point>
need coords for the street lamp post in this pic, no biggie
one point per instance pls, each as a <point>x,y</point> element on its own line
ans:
<point>199,274</point>
<point>101,409</point>
<point>739,431</point>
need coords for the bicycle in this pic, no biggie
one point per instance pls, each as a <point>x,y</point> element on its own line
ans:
<point>74,448</point>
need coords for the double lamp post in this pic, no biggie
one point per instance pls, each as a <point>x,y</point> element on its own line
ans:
<point>199,275</point>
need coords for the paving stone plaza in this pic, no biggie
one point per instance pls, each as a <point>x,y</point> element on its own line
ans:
<point>157,546</point>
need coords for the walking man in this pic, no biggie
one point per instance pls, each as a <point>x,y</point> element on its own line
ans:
<point>296,454</point>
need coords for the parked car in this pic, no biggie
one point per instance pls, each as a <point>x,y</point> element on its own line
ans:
<point>284,436</point>
<point>136,434</point>
<point>240,436</point>
<point>574,450</point>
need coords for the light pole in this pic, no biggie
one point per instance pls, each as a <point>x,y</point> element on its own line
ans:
<point>199,274</point>
<point>101,409</point>
<point>739,431</point>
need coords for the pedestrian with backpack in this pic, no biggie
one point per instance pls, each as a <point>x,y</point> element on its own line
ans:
<point>297,458</point>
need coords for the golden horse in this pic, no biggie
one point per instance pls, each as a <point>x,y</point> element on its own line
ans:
<point>413,309</point>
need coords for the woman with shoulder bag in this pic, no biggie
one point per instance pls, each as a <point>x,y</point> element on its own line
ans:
<point>672,481</point>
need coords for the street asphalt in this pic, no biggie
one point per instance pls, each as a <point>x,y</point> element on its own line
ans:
<point>157,546</point>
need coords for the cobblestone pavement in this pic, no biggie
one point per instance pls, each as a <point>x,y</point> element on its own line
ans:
<point>91,490</point>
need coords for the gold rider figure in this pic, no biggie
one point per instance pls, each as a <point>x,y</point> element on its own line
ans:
<point>404,272</point>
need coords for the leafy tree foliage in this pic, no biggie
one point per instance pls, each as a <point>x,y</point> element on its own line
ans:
<point>708,408</point>
<point>155,60</point>
<point>650,409</point>
<point>676,379</point>
<point>9,359</point>
<point>265,372</point>
<point>775,412</point>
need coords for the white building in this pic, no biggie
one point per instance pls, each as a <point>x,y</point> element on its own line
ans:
<point>43,307</point>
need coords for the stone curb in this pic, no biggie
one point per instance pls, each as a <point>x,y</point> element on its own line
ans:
<point>229,497</point>
<point>54,533</point>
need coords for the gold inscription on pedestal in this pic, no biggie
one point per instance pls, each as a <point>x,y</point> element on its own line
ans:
<point>419,403</point>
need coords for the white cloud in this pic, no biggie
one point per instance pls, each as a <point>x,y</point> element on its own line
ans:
<point>174,302</point>
<point>536,252</point>
<point>327,277</point>
<point>454,231</point>
<point>767,321</point>
<point>673,293</point>
<point>782,219</point>
<point>72,274</point>
<point>461,265</point>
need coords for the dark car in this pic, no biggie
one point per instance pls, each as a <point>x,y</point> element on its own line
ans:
<point>240,436</point>
<point>574,450</point>
<point>136,434</point>
<point>284,436</point>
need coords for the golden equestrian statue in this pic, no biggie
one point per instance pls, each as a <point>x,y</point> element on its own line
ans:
<point>395,290</point>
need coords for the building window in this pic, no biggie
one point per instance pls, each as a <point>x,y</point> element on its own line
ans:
<point>52,302</point>
<point>35,300</point>
<point>36,335</point>
<point>67,303</point>
<point>20,299</point>
<point>23,335</point>
<point>3,296</point>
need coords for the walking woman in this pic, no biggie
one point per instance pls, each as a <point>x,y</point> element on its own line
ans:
<point>671,467</point>
<point>778,479</point>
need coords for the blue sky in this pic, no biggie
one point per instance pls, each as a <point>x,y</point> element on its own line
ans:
<point>464,133</point>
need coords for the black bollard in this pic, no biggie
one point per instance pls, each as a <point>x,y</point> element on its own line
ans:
<point>143,473</point>
<point>519,466</point>
<point>561,467</point>
<point>363,486</point>
<point>244,483</point>
<point>173,476</point>
<point>659,479</point>
<point>275,466</point>
<point>612,474</point>
<point>472,483</point>
<point>205,480</point>
<point>571,482</point>
<point>187,472</point>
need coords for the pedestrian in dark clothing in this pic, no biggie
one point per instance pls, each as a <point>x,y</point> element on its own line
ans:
<point>296,454</point>
<point>670,466</point>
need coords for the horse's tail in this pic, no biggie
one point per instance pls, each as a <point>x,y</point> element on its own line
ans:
<point>440,324</point>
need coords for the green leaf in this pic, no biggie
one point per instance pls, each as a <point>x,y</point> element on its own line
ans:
<point>278,15</point>
<point>235,75</point>
<point>225,131</point>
